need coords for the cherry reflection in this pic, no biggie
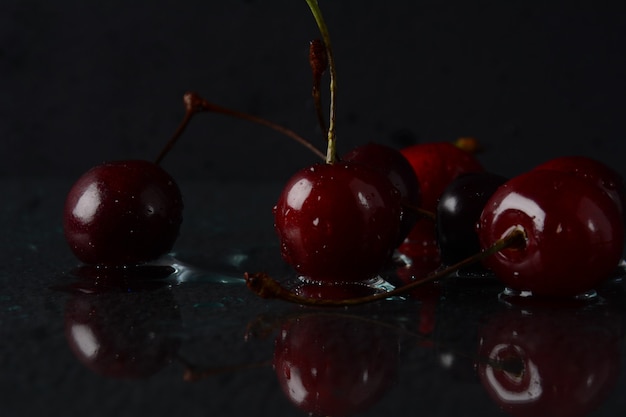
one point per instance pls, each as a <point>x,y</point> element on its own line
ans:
<point>119,325</point>
<point>333,365</point>
<point>538,361</point>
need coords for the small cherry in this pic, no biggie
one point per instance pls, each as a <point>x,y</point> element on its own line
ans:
<point>123,213</point>
<point>574,233</point>
<point>435,164</point>
<point>458,212</point>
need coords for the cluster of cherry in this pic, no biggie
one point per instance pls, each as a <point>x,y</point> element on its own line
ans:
<point>556,230</point>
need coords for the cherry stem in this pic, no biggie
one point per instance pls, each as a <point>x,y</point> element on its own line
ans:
<point>190,110</point>
<point>422,212</point>
<point>331,152</point>
<point>194,104</point>
<point>266,287</point>
<point>318,60</point>
<point>468,144</point>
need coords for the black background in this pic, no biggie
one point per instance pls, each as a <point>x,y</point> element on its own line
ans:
<point>83,82</point>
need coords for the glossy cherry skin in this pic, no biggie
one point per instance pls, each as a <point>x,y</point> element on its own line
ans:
<point>594,171</point>
<point>436,164</point>
<point>331,365</point>
<point>458,211</point>
<point>338,222</point>
<point>550,362</point>
<point>122,213</point>
<point>391,163</point>
<point>574,233</point>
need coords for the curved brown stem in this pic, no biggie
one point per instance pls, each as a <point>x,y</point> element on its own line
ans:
<point>191,108</point>
<point>194,104</point>
<point>266,287</point>
<point>468,144</point>
<point>422,212</point>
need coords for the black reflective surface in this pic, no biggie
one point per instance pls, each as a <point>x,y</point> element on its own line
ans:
<point>186,337</point>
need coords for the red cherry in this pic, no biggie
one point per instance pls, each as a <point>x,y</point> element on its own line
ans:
<point>550,362</point>
<point>122,212</point>
<point>391,163</point>
<point>329,365</point>
<point>458,211</point>
<point>594,171</point>
<point>436,165</point>
<point>338,222</point>
<point>574,234</point>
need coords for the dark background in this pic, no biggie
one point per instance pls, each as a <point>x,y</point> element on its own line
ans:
<point>82,82</point>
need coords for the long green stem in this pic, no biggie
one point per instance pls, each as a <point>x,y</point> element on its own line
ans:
<point>331,152</point>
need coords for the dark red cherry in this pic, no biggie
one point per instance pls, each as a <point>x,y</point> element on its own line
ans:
<point>458,211</point>
<point>592,170</point>
<point>330,365</point>
<point>436,165</point>
<point>122,212</point>
<point>574,233</point>
<point>394,165</point>
<point>550,362</point>
<point>338,222</point>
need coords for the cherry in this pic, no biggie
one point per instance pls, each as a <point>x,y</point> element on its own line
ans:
<point>338,222</point>
<point>550,361</point>
<point>436,164</point>
<point>333,365</point>
<point>125,212</point>
<point>391,163</point>
<point>592,170</point>
<point>574,233</point>
<point>458,211</point>
<point>122,212</point>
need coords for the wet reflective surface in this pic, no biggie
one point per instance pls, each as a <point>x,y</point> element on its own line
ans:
<point>185,337</point>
